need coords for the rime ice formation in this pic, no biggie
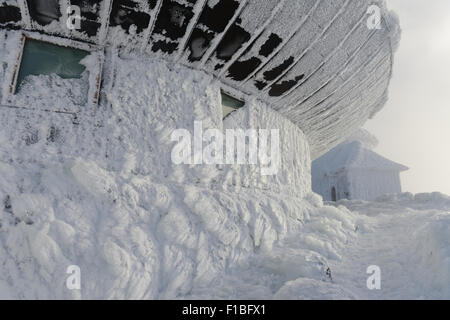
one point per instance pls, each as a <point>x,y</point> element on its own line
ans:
<point>352,171</point>
<point>316,62</point>
<point>408,237</point>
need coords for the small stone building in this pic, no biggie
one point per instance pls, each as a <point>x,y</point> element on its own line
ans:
<point>352,171</point>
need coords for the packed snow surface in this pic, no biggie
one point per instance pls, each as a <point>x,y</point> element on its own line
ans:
<point>408,237</point>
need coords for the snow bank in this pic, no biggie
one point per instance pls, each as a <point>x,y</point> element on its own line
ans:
<point>420,201</point>
<point>293,174</point>
<point>134,238</point>
<point>433,248</point>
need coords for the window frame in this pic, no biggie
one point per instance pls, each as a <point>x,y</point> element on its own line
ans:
<point>13,68</point>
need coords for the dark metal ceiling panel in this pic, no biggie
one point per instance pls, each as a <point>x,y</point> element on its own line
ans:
<point>44,12</point>
<point>253,20</point>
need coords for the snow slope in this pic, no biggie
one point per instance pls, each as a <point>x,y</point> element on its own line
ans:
<point>408,237</point>
<point>411,247</point>
<point>208,244</point>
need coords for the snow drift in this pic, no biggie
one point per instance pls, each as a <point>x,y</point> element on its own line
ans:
<point>100,191</point>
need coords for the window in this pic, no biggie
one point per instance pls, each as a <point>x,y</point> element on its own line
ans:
<point>53,74</point>
<point>230,104</point>
<point>43,58</point>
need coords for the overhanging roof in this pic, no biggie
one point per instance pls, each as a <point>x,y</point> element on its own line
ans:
<point>353,155</point>
<point>315,61</point>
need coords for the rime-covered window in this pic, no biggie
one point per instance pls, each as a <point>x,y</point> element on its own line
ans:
<point>230,104</point>
<point>43,58</point>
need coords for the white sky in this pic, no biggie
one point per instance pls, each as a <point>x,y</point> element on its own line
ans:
<point>414,126</point>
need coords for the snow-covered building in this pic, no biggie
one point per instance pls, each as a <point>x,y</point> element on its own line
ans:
<point>317,63</point>
<point>352,171</point>
<point>91,91</point>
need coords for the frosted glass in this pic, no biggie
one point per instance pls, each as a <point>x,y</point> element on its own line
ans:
<point>43,58</point>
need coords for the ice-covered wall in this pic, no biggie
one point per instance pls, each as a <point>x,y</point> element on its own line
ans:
<point>97,188</point>
<point>370,184</point>
<point>324,184</point>
<point>294,170</point>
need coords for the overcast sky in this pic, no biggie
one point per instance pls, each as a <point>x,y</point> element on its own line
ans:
<point>414,126</point>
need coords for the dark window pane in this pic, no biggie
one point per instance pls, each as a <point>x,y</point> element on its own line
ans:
<point>230,104</point>
<point>44,11</point>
